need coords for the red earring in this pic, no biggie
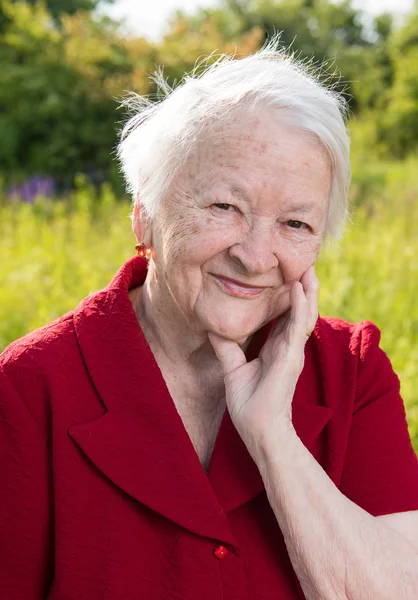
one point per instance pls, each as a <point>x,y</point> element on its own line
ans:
<point>143,251</point>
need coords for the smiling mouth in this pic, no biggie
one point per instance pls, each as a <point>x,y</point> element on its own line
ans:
<point>237,288</point>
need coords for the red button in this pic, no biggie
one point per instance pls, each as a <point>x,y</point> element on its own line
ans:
<point>220,552</point>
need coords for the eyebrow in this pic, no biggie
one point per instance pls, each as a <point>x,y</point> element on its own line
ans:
<point>237,190</point>
<point>298,207</point>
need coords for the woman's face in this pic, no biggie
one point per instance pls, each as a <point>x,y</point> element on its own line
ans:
<point>245,219</point>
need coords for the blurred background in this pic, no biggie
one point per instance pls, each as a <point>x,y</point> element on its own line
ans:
<point>64,217</point>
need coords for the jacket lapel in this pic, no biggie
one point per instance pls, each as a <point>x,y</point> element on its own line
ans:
<point>140,443</point>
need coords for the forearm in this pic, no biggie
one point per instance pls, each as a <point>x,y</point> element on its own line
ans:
<point>338,550</point>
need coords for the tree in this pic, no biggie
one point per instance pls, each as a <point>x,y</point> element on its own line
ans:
<point>399,119</point>
<point>186,43</point>
<point>56,8</point>
<point>57,99</point>
<point>316,29</point>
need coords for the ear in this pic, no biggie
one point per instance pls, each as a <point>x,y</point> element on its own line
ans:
<point>141,226</point>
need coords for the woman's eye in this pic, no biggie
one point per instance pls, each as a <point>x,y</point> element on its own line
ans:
<point>223,206</point>
<point>295,224</point>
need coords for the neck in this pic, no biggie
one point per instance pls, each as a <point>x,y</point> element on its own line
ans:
<point>171,338</point>
<point>176,344</point>
<point>167,332</point>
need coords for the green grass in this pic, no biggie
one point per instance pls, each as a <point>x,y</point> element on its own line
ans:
<point>55,253</point>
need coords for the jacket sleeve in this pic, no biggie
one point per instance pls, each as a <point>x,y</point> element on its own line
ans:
<point>381,468</point>
<point>25,501</point>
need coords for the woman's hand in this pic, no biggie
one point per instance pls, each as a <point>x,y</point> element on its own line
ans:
<point>259,393</point>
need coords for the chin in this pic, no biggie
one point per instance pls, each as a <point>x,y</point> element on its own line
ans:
<point>234,330</point>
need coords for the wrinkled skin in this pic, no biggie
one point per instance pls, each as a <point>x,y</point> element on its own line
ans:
<point>250,204</point>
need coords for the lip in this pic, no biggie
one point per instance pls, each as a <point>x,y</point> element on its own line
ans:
<point>238,288</point>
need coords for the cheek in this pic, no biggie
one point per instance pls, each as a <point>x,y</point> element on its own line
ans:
<point>189,242</point>
<point>202,238</point>
<point>298,258</point>
<point>175,238</point>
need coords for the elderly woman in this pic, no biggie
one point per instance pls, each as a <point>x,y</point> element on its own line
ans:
<point>194,431</point>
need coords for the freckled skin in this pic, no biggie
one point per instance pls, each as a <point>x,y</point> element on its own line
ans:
<point>262,169</point>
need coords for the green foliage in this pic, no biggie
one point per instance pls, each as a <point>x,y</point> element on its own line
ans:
<point>318,29</point>
<point>55,252</point>
<point>62,74</point>
<point>57,94</point>
<point>398,129</point>
<point>56,8</point>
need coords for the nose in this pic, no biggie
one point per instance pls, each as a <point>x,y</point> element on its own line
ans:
<point>256,253</point>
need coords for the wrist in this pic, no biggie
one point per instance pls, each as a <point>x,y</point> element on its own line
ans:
<point>274,444</point>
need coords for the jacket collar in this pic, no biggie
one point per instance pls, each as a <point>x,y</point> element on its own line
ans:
<point>140,442</point>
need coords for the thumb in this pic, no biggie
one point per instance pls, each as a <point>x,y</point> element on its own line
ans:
<point>228,353</point>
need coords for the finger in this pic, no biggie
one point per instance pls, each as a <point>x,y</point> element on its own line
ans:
<point>280,325</point>
<point>228,352</point>
<point>296,336</point>
<point>299,310</point>
<point>310,285</point>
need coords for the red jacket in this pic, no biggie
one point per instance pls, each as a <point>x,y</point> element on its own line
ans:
<point>102,496</point>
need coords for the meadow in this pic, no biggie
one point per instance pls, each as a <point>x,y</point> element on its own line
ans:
<point>55,252</point>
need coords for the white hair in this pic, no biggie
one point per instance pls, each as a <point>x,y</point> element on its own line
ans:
<point>158,138</point>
